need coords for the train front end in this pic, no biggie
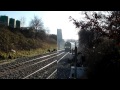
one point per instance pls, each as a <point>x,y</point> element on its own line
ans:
<point>67,47</point>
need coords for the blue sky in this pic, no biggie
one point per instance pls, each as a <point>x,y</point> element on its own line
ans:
<point>52,20</point>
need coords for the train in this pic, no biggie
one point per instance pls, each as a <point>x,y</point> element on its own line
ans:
<point>69,46</point>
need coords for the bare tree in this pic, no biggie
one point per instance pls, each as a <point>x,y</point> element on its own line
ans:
<point>22,20</point>
<point>36,23</point>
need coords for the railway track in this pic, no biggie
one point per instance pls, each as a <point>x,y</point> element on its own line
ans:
<point>38,68</point>
<point>15,65</point>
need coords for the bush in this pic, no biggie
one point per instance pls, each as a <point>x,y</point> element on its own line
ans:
<point>17,39</point>
<point>103,61</point>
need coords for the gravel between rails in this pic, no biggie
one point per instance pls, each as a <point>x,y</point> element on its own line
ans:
<point>20,63</point>
<point>24,64</point>
<point>43,74</point>
<point>22,72</point>
<point>19,60</point>
<point>53,75</point>
<point>38,76</point>
<point>63,68</point>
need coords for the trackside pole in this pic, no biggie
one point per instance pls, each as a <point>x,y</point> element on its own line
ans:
<point>75,60</point>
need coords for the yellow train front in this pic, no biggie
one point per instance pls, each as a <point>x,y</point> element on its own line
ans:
<point>67,47</point>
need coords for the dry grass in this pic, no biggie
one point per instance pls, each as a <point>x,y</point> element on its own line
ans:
<point>25,53</point>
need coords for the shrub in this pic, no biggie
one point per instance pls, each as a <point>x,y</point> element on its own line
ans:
<point>103,60</point>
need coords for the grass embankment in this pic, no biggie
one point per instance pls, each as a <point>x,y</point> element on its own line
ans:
<point>26,53</point>
<point>17,43</point>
